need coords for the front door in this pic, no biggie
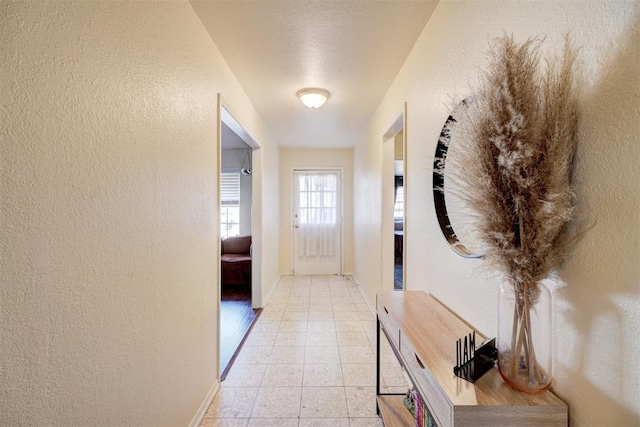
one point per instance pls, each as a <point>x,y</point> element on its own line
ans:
<point>317,220</point>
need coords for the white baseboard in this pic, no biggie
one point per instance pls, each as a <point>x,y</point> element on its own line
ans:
<point>197,418</point>
<point>273,288</point>
<point>364,295</point>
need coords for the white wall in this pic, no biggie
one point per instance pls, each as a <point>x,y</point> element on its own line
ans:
<point>232,160</point>
<point>596,298</point>
<point>398,149</point>
<point>108,209</point>
<point>292,158</point>
<point>266,210</point>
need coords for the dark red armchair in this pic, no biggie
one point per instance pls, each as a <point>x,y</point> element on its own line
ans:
<point>236,260</point>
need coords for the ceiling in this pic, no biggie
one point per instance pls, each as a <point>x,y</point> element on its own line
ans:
<point>352,48</point>
<point>231,140</point>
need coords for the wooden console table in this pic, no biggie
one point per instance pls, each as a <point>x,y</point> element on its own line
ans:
<point>422,334</point>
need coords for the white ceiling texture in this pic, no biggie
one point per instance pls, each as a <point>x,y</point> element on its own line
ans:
<point>352,48</point>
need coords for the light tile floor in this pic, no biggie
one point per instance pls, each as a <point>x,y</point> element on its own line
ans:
<point>308,362</point>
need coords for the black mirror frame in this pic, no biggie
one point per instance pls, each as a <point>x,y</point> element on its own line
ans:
<point>439,164</point>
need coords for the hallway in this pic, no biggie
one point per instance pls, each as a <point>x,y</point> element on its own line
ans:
<point>308,361</point>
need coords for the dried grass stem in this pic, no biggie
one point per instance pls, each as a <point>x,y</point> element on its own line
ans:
<point>515,168</point>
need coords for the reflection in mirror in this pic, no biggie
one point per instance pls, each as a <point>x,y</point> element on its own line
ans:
<point>449,208</point>
<point>398,211</point>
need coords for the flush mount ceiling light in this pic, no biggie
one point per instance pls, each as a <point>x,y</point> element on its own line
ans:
<point>313,97</point>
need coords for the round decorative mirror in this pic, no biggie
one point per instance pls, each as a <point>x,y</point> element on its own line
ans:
<point>440,196</point>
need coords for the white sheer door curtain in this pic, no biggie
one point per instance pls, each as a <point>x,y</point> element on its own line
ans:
<point>317,220</point>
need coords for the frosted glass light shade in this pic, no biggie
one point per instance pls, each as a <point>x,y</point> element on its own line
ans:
<point>313,97</point>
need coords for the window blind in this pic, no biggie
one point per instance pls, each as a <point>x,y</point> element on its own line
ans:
<point>229,188</point>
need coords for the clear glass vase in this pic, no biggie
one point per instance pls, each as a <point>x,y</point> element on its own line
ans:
<point>524,336</point>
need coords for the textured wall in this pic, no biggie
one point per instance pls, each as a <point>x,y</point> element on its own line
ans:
<point>266,207</point>
<point>597,294</point>
<point>108,220</point>
<point>291,158</point>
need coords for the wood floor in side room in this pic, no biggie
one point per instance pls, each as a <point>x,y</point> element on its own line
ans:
<point>236,317</point>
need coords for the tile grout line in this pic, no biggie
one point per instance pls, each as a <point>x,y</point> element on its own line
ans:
<point>306,300</point>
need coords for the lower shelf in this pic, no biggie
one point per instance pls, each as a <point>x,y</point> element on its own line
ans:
<point>393,411</point>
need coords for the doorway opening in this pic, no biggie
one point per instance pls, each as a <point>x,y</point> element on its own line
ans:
<point>237,284</point>
<point>394,205</point>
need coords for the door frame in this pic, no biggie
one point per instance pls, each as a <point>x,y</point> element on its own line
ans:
<point>226,116</point>
<point>399,124</point>
<point>292,207</point>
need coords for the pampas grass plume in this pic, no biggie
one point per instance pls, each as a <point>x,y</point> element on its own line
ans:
<point>515,167</point>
